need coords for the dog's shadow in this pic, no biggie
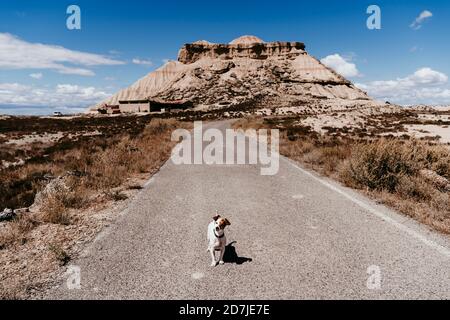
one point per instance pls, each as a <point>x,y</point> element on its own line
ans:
<point>231,256</point>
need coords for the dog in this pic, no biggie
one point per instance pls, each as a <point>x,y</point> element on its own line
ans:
<point>216,238</point>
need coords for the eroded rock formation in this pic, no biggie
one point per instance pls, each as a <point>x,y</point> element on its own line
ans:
<point>216,75</point>
<point>244,47</point>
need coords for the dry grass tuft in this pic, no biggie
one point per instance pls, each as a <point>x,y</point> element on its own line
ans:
<point>381,164</point>
<point>250,123</point>
<point>16,231</point>
<point>60,254</point>
<point>385,164</point>
<point>55,211</point>
<point>116,195</point>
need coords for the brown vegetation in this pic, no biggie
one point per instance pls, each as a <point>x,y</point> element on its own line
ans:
<point>65,186</point>
<point>92,169</point>
<point>409,175</point>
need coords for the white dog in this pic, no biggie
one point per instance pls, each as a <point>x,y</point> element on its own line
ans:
<point>216,238</point>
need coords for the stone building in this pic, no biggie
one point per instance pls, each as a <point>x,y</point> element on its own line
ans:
<point>134,106</point>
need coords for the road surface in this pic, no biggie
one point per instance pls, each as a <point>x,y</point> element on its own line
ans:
<point>294,235</point>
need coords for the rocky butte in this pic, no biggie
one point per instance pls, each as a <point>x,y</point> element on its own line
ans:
<point>247,71</point>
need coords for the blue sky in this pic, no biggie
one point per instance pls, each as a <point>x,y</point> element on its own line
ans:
<point>121,41</point>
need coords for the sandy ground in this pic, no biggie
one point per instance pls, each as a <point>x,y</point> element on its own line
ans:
<point>427,130</point>
<point>33,138</point>
<point>434,117</point>
<point>46,138</point>
<point>319,122</point>
<point>358,118</point>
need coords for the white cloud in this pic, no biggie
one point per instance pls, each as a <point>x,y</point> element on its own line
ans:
<point>12,87</point>
<point>37,76</point>
<point>77,71</point>
<point>425,86</point>
<point>428,76</point>
<point>341,65</point>
<point>16,53</point>
<point>417,23</point>
<point>61,96</point>
<point>142,62</point>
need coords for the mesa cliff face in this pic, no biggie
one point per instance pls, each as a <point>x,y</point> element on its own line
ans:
<point>248,69</point>
<point>252,49</point>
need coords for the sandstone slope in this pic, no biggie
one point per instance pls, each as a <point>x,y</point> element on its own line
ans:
<point>209,75</point>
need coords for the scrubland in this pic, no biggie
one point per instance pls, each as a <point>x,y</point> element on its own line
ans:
<point>407,174</point>
<point>68,187</point>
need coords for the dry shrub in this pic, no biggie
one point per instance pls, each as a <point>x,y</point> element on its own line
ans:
<point>160,126</point>
<point>19,186</point>
<point>386,164</point>
<point>143,153</point>
<point>379,165</point>
<point>322,153</point>
<point>249,123</point>
<point>55,202</point>
<point>55,211</point>
<point>441,202</point>
<point>296,150</point>
<point>439,157</point>
<point>415,188</point>
<point>328,158</point>
<point>116,195</point>
<point>60,254</point>
<point>109,169</point>
<point>16,231</point>
<point>436,218</point>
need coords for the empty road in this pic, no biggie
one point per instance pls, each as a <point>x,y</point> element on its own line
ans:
<point>294,235</point>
